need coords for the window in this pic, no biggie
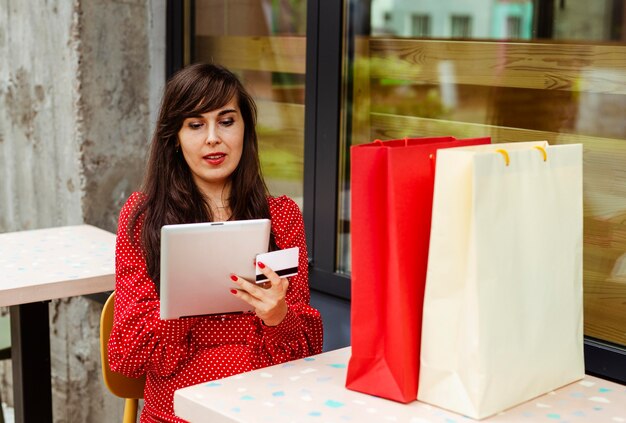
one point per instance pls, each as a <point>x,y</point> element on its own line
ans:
<point>345,78</point>
<point>421,25</point>
<point>513,27</point>
<point>461,26</point>
<point>564,84</point>
<point>264,42</point>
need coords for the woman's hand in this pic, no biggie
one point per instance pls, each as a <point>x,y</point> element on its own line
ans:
<point>268,302</point>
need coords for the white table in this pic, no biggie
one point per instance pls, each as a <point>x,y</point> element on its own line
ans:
<point>35,267</point>
<point>312,390</point>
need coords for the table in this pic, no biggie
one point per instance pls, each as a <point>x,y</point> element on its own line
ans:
<point>35,267</point>
<point>312,390</point>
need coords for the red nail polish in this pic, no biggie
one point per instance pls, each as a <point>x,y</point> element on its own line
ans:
<point>261,265</point>
<point>233,291</point>
<point>234,278</point>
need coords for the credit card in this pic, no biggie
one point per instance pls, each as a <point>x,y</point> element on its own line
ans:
<point>283,262</point>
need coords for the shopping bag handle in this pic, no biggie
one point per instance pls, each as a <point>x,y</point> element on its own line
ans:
<point>507,159</point>
<point>543,152</point>
<point>505,154</point>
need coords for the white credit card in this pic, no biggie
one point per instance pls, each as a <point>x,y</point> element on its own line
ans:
<point>283,262</point>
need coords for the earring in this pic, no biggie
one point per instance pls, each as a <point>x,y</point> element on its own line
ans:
<point>177,149</point>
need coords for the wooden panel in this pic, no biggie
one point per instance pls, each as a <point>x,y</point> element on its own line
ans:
<point>604,158</point>
<point>605,313</point>
<point>361,93</point>
<point>271,54</point>
<point>387,126</point>
<point>604,190</point>
<point>280,129</point>
<point>589,68</point>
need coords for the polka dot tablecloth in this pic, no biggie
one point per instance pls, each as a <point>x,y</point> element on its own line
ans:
<point>312,390</point>
<point>66,261</point>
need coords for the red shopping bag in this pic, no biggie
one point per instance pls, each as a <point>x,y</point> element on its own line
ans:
<point>391,201</point>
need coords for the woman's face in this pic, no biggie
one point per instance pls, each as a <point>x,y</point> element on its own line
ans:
<point>212,144</point>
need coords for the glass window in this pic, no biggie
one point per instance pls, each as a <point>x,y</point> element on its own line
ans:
<point>264,42</point>
<point>421,26</point>
<point>461,26</point>
<point>515,70</point>
<point>513,27</point>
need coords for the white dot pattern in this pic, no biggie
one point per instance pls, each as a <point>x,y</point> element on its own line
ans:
<point>183,352</point>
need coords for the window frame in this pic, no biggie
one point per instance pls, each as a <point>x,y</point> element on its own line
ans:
<point>176,31</point>
<point>322,126</point>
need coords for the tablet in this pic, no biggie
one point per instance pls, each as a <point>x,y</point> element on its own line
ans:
<point>197,260</point>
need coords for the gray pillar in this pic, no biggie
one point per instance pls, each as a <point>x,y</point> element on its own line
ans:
<point>79,86</point>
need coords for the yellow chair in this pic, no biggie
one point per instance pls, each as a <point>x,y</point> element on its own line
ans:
<point>130,389</point>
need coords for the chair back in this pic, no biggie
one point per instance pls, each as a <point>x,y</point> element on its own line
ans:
<point>124,387</point>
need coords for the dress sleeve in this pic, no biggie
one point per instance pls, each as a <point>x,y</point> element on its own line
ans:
<point>300,334</point>
<point>140,340</point>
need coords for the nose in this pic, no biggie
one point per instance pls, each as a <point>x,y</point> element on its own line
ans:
<point>212,137</point>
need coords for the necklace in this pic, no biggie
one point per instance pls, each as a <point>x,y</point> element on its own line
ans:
<point>221,213</point>
<point>220,208</point>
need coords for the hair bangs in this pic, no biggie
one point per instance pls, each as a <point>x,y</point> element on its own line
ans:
<point>212,98</point>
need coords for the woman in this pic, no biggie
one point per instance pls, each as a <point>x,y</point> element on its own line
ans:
<point>204,166</point>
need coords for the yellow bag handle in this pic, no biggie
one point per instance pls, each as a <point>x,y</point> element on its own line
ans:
<point>507,160</point>
<point>543,152</point>
<point>505,154</point>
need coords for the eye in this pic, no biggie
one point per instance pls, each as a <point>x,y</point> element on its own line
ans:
<point>227,122</point>
<point>195,125</point>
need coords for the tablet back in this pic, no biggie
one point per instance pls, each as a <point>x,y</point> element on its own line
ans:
<point>197,260</point>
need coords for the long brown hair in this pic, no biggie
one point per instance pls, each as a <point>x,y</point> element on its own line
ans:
<point>170,193</point>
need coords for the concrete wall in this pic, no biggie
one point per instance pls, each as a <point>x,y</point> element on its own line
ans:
<point>79,86</point>
<point>40,134</point>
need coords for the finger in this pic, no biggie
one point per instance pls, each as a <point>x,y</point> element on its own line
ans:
<point>261,305</point>
<point>283,284</point>
<point>245,296</point>
<point>247,286</point>
<point>269,273</point>
<point>274,279</point>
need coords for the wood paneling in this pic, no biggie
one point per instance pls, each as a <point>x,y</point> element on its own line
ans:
<point>280,126</point>
<point>281,140</point>
<point>571,67</point>
<point>271,54</point>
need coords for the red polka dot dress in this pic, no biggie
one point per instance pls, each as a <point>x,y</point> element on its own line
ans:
<point>182,352</point>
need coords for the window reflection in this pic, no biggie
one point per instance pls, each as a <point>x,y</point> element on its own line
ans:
<point>497,19</point>
<point>264,42</point>
<point>520,70</point>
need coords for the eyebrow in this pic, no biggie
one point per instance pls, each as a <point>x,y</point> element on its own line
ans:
<point>226,111</point>
<point>220,113</point>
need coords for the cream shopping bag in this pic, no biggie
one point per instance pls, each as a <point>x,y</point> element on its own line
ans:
<point>503,319</point>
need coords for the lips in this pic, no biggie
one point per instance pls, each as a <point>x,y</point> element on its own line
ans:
<point>214,158</point>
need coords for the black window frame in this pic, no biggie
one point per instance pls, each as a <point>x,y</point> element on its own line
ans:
<point>322,126</point>
<point>326,20</point>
